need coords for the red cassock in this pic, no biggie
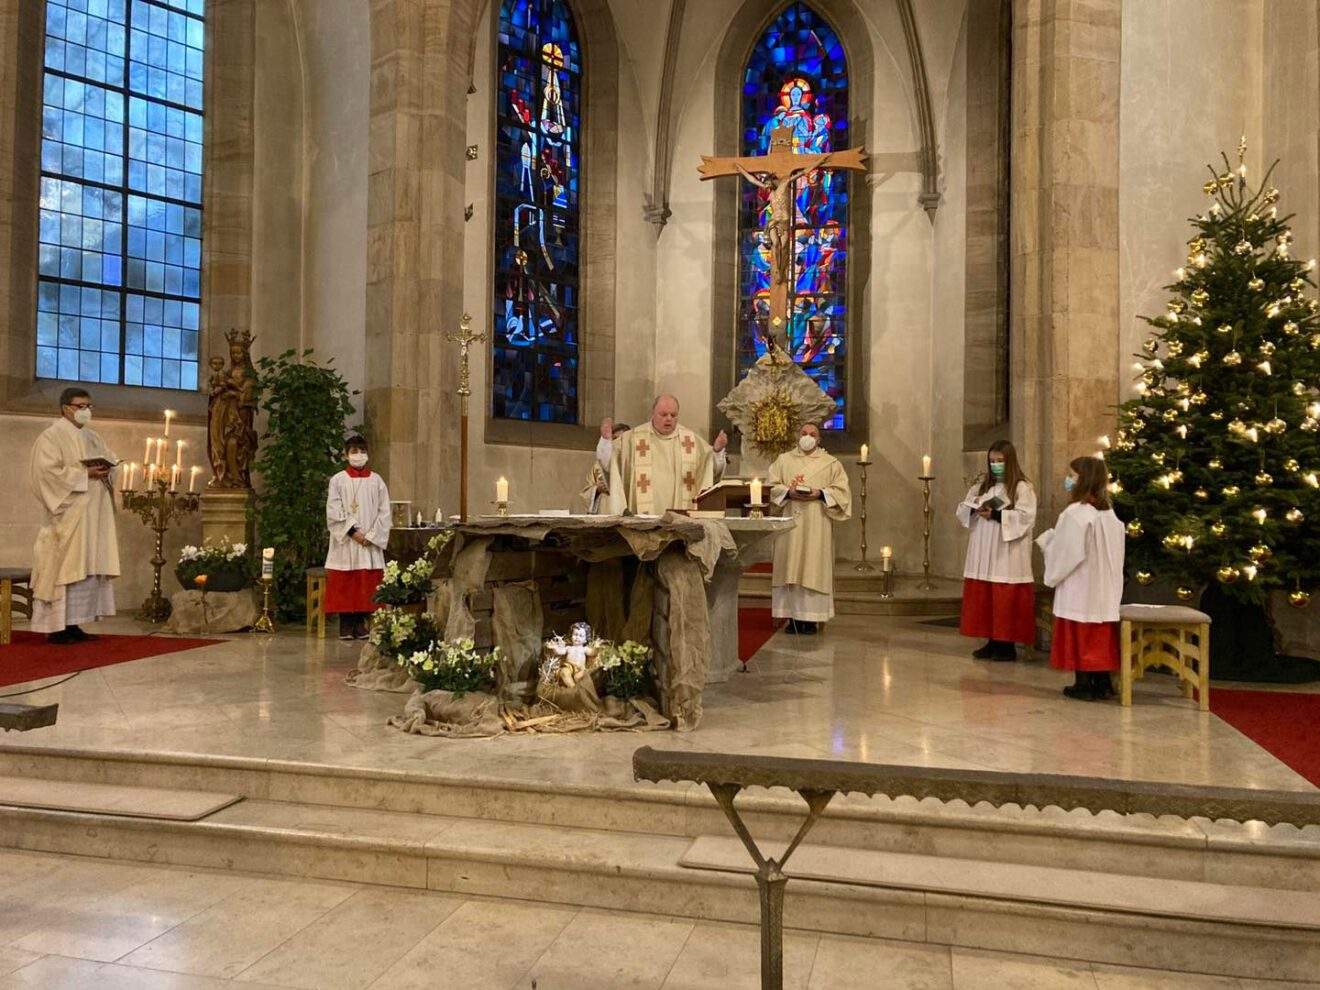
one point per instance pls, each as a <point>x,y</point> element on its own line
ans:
<point>1088,646</point>
<point>351,591</point>
<point>999,610</point>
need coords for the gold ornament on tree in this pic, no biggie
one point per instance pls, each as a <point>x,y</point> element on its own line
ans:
<point>1144,578</point>
<point>1184,593</point>
<point>1299,598</point>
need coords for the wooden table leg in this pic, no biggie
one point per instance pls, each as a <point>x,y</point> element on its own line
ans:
<point>1125,665</point>
<point>1203,665</point>
<point>6,610</point>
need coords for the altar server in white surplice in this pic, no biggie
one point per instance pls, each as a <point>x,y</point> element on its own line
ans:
<point>595,495</point>
<point>1084,555</point>
<point>77,551</point>
<point>357,512</point>
<point>813,488</point>
<point>660,465</point>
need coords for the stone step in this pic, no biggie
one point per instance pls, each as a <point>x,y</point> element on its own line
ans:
<point>1135,921</point>
<point>1138,845</point>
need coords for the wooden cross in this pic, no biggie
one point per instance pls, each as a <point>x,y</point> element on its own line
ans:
<point>643,448</point>
<point>643,483</point>
<point>687,445</point>
<point>778,171</point>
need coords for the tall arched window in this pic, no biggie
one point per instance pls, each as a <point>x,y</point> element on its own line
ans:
<point>120,240</point>
<point>797,78</point>
<point>538,176</point>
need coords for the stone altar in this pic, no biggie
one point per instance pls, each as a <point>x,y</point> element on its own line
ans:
<point>754,541</point>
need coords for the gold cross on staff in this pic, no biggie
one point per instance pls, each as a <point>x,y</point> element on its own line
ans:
<point>464,338</point>
<point>778,171</point>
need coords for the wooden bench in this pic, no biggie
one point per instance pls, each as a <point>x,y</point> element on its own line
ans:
<point>316,601</point>
<point>1172,636</point>
<point>14,582</point>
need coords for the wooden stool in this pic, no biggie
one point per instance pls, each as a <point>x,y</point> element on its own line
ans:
<point>316,601</point>
<point>1172,636</point>
<point>13,581</point>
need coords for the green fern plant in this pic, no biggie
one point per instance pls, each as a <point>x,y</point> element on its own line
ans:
<point>306,405</point>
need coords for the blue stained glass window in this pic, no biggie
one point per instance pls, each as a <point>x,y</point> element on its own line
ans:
<point>797,78</point>
<point>120,238</point>
<point>538,165</point>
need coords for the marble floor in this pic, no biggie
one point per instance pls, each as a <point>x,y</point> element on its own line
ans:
<point>880,689</point>
<point>73,922</point>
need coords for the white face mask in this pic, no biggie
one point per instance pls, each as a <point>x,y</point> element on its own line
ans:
<point>82,416</point>
<point>357,459</point>
<point>807,443</point>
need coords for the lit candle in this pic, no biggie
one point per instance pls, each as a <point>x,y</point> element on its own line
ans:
<point>160,451</point>
<point>865,453</point>
<point>439,517</point>
<point>925,465</point>
<point>502,490</point>
<point>886,552</point>
<point>419,520</point>
<point>886,559</point>
<point>169,415</point>
<point>178,454</point>
<point>268,564</point>
<point>175,472</point>
<point>146,458</point>
<point>192,478</point>
<point>148,475</point>
<point>756,491</point>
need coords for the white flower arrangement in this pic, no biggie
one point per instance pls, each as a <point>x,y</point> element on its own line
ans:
<point>213,552</point>
<point>455,665</point>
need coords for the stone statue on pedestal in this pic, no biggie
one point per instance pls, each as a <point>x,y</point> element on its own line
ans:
<point>231,434</point>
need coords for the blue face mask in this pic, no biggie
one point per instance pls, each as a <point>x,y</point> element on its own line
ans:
<point>1069,483</point>
<point>997,468</point>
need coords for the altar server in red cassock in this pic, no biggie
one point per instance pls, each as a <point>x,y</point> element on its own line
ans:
<point>999,589</point>
<point>357,512</point>
<point>1084,565</point>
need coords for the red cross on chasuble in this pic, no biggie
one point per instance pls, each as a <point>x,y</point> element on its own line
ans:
<point>643,483</point>
<point>645,450</point>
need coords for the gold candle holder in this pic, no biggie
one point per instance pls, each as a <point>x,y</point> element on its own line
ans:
<point>756,510</point>
<point>502,509</point>
<point>927,512</point>
<point>265,624</point>
<point>158,505</point>
<point>863,565</point>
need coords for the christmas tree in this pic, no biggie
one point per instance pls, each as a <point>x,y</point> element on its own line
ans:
<point>1216,462</point>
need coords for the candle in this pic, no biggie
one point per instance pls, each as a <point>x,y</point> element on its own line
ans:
<point>756,491</point>
<point>502,490</point>
<point>439,517</point>
<point>419,520</point>
<point>886,559</point>
<point>925,465</point>
<point>886,552</point>
<point>146,458</point>
<point>866,450</point>
<point>148,475</point>
<point>192,478</point>
<point>175,472</point>
<point>160,451</point>
<point>178,454</point>
<point>169,415</point>
<point>268,563</point>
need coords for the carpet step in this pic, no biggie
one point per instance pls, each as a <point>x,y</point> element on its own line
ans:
<point>1139,845</point>
<point>111,799</point>
<point>1135,921</point>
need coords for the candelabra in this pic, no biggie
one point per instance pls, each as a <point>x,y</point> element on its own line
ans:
<point>863,565</point>
<point>158,506</point>
<point>927,512</point>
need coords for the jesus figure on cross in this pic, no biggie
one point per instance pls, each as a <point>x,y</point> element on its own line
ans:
<point>778,172</point>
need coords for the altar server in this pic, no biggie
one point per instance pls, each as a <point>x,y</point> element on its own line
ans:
<point>357,512</point>
<point>595,495</point>
<point>77,550</point>
<point>814,488</point>
<point>661,465</point>
<point>999,590</point>
<point>1084,565</point>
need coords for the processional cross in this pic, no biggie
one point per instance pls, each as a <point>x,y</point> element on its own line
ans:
<point>464,337</point>
<point>778,171</point>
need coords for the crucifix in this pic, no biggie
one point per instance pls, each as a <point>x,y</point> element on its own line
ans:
<point>464,338</point>
<point>778,172</point>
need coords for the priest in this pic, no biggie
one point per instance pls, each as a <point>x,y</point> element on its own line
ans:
<point>77,550</point>
<point>812,487</point>
<point>661,465</point>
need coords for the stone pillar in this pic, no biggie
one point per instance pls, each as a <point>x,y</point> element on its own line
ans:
<point>1064,231</point>
<point>420,59</point>
<point>227,517</point>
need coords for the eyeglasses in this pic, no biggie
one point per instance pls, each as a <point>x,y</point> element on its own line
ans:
<point>80,405</point>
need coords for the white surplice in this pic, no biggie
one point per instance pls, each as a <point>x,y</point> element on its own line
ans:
<point>999,551</point>
<point>364,504</point>
<point>1084,555</point>
<point>76,554</point>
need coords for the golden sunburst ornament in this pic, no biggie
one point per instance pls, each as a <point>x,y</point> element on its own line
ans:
<point>772,421</point>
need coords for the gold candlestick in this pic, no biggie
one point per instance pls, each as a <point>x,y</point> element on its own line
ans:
<point>265,624</point>
<point>464,338</point>
<point>927,512</point>
<point>756,510</point>
<point>158,506</point>
<point>863,565</point>
<point>502,509</point>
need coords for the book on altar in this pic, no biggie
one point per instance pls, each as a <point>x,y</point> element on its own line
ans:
<point>731,493</point>
<point>98,462</point>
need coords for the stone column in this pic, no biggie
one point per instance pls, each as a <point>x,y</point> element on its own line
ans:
<point>1065,291</point>
<point>420,58</point>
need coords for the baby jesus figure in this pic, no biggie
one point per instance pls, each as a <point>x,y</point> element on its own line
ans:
<point>569,662</point>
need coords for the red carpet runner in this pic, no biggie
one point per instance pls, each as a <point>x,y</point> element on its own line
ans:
<point>1283,723</point>
<point>755,627</point>
<point>30,658</point>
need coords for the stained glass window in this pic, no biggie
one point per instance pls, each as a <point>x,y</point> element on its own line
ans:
<point>120,236</point>
<point>538,173</point>
<point>797,78</point>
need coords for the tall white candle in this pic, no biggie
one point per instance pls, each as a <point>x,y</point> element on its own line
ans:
<point>178,454</point>
<point>146,457</point>
<point>502,490</point>
<point>192,478</point>
<point>756,491</point>
<point>925,465</point>
<point>169,415</point>
<point>439,517</point>
<point>160,451</point>
<point>866,450</point>
<point>268,563</point>
<point>175,472</point>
